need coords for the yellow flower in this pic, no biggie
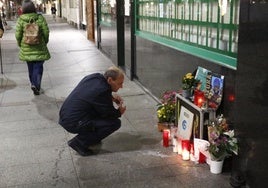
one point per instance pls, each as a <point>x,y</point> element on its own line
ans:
<point>188,81</point>
<point>189,76</point>
<point>166,109</point>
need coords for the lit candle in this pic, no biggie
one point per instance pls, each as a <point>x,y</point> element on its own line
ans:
<point>200,102</point>
<point>192,158</point>
<point>179,146</point>
<point>191,148</point>
<point>185,144</point>
<point>166,137</point>
<point>185,155</point>
<point>175,144</point>
<point>199,98</point>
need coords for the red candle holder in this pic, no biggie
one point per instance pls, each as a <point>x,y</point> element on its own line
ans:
<point>185,146</point>
<point>166,137</point>
<point>199,98</point>
<point>202,158</point>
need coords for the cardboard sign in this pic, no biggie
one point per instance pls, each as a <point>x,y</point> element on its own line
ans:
<point>185,124</point>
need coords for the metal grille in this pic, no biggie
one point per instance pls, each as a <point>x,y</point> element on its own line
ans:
<point>211,25</point>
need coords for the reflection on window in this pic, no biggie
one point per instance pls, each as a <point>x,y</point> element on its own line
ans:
<point>258,1</point>
<point>108,12</point>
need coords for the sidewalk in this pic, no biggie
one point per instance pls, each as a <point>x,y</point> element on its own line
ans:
<point>34,151</point>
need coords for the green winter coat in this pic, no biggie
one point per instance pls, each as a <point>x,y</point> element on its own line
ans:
<point>38,52</point>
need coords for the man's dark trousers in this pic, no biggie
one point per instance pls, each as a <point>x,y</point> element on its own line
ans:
<point>93,131</point>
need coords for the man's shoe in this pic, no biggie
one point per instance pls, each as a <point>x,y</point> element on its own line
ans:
<point>35,90</point>
<point>79,149</point>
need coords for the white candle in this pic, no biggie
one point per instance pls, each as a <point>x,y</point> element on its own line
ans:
<point>185,149</point>
<point>185,155</point>
<point>175,144</point>
<point>179,147</point>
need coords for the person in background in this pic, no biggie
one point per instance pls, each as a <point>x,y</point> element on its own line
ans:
<point>34,55</point>
<point>4,17</point>
<point>53,12</point>
<point>19,11</point>
<point>89,110</point>
<point>1,28</point>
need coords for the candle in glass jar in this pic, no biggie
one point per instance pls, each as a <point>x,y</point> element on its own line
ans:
<point>175,144</point>
<point>202,158</point>
<point>185,155</point>
<point>192,157</point>
<point>200,102</point>
<point>191,148</point>
<point>185,144</point>
<point>166,137</point>
<point>179,146</point>
<point>199,98</point>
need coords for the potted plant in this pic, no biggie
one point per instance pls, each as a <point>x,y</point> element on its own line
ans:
<point>166,110</point>
<point>188,84</point>
<point>222,143</point>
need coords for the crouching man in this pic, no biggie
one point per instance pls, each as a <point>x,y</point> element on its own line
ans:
<point>89,110</point>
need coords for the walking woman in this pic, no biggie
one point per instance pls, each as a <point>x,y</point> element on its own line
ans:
<point>34,54</point>
<point>1,35</point>
<point>1,28</point>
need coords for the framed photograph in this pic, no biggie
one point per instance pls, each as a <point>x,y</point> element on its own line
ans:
<point>185,124</point>
<point>214,89</point>
<point>195,118</point>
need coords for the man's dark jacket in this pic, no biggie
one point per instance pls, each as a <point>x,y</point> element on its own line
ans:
<point>90,100</point>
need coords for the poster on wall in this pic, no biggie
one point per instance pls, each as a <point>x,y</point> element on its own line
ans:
<point>201,74</point>
<point>211,85</point>
<point>185,123</point>
<point>214,89</point>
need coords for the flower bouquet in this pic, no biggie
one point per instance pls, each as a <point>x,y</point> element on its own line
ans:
<point>189,81</point>
<point>166,109</point>
<point>188,84</point>
<point>222,142</point>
